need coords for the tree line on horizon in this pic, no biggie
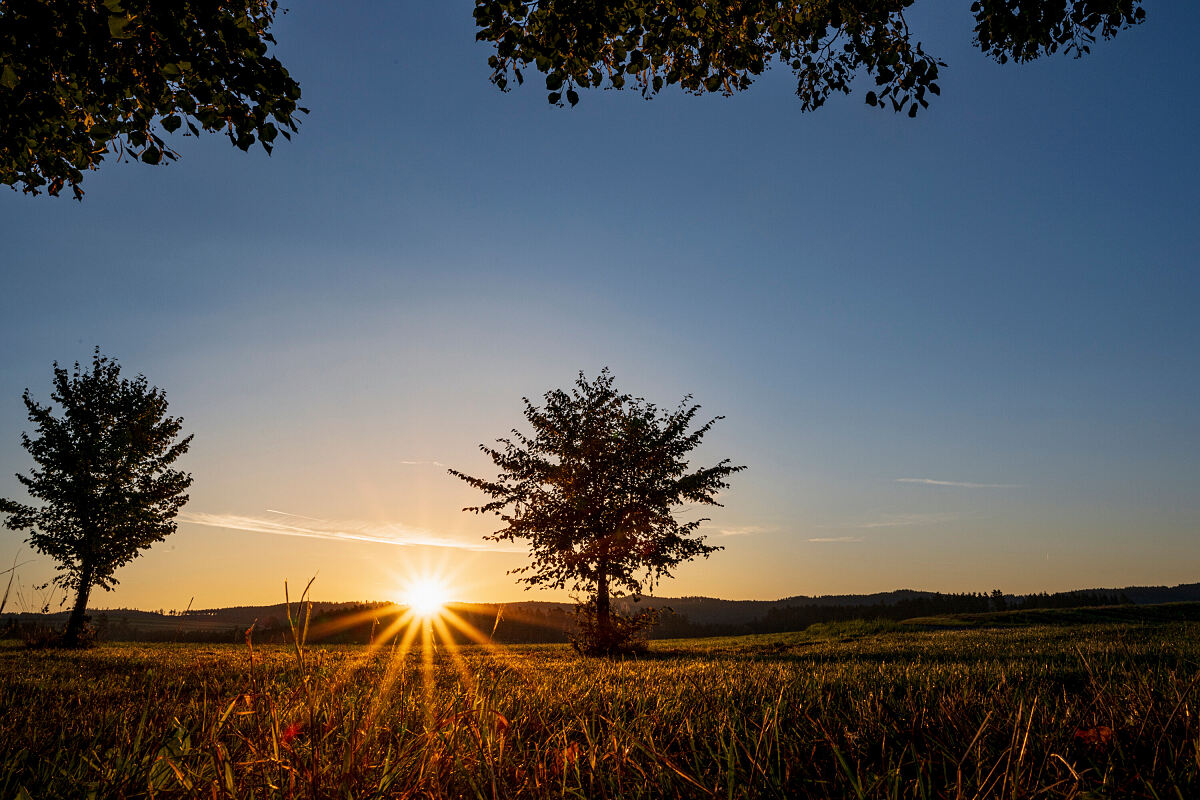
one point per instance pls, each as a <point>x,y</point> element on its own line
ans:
<point>550,623</point>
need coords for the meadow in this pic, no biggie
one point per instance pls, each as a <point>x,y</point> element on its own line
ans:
<point>849,710</point>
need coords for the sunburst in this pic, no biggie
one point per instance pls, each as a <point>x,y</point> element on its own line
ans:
<point>425,619</point>
<point>426,597</point>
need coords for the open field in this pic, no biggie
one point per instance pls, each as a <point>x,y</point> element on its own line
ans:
<point>1092,711</point>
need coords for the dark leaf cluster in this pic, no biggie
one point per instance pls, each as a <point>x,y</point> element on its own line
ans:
<point>722,45</point>
<point>707,46</point>
<point>1023,30</point>
<point>81,80</point>
<point>102,481</point>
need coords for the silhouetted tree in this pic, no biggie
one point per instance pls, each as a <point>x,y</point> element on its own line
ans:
<point>592,490</point>
<point>81,80</point>
<point>720,45</point>
<point>998,601</point>
<point>102,477</point>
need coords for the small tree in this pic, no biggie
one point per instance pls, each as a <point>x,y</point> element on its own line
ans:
<point>593,490</point>
<point>102,477</point>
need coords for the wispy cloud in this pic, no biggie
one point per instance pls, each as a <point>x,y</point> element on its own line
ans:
<point>742,530</point>
<point>907,520</point>
<point>837,539</point>
<point>960,484</point>
<point>337,530</point>
<point>899,521</point>
<point>422,463</point>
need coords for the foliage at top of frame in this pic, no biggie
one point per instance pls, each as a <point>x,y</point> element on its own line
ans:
<point>721,45</point>
<point>81,81</point>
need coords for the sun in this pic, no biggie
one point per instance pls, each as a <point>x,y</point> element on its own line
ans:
<point>426,597</point>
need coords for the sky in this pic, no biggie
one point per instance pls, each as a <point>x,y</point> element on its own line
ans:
<point>955,353</point>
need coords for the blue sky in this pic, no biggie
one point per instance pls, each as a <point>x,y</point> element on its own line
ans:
<point>1000,292</point>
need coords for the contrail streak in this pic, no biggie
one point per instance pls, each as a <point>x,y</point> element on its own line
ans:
<point>960,484</point>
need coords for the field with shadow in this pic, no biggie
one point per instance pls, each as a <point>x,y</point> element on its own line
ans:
<point>862,710</point>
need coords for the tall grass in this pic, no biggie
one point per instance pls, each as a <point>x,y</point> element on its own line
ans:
<point>1106,711</point>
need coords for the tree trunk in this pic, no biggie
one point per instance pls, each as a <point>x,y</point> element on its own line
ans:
<point>603,609</point>
<point>73,636</point>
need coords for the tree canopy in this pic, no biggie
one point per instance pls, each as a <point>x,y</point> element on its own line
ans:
<point>102,477</point>
<point>594,489</point>
<point>721,45</point>
<point>83,80</point>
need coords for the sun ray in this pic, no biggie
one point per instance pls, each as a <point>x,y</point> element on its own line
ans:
<point>455,652</point>
<point>422,617</point>
<point>342,622</point>
<point>466,628</point>
<point>471,632</point>
<point>395,667</point>
<point>426,625</point>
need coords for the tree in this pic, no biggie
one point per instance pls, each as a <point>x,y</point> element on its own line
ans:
<point>593,490</point>
<point>102,477</point>
<point>998,601</point>
<point>721,45</point>
<point>84,79</point>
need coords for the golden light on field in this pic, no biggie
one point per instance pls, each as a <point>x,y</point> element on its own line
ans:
<point>426,597</point>
<point>428,624</point>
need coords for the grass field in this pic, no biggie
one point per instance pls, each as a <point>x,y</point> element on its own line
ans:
<point>839,711</point>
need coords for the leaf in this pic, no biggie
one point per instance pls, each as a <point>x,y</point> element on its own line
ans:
<point>117,26</point>
<point>172,123</point>
<point>572,96</point>
<point>151,155</point>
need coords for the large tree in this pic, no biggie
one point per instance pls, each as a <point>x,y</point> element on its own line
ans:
<point>85,80</point>
<point>102,481</point>
<point>593,489</point>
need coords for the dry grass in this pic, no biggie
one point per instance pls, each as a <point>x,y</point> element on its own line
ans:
<point>1104,711</point>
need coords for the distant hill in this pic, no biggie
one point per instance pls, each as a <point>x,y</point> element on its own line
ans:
<point>1184,611</point>
<point>712,610</point>
<point>716,611</point>
<point>1146,595</point>
<point>536,621</point>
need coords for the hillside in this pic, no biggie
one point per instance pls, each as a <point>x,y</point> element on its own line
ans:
<point>679,617</point>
